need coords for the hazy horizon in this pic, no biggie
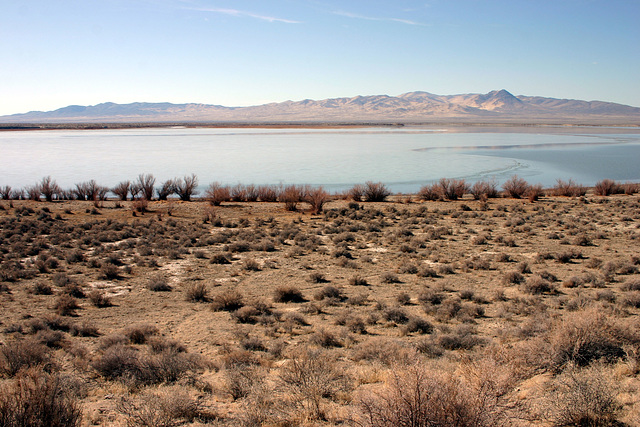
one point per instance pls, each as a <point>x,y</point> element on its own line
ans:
<point>245,53</point>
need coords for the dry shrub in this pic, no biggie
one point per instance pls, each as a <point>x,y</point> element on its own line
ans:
<point>316,197</point>
<point>162,407</point>
<point>356,192</point>
<point>291,195</point>
<point>358,281</point>
<point>139,334</point>
<point>288,293</point>
<point>515,187</point>
<point>38,399</point>
<point>584,397</point>
<point>452,189</point>
<point>66,305</point>
<point>585,336</point>
<point>607,187</point>
<point>429,192</point>
<point>127,364</point>
<point>268,193</point>
<point>197,292</point>
<point>310,377</point>
<point>427,395</point>
<point>324,338</point>
<point>534,192</point>
<point>375,192</point>
<point>484,189</point>
<point>99,299</point>
<point>229,300</point>
<point>568,189</point>
<point>18,355</point>
<point>536,285</point>
<point>159,283</point>
<point>216,194</point>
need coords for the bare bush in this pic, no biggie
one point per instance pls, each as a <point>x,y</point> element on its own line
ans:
<point>49,188</point>
<point>164,407</point>
<point>146,184</point>
<point>166,189</point>
<point>287,293</point>
<point>534,192</point>
<point>452,189</point>
<point>18,355</point>
<point>316,197</point>
<point>38,399</point>
<point>186,187</point>
<point>429,192</point>
<point>417,395</point>
<point>268,193</point>
<point>229,300</point>
<point>197,292</point>
<point>356,193</point>
<point>515,187</point>
<point>216,194</point>
<point>6,193</point>
<point>375,192</point>
<point>291,195</point>
<point>568,189</point>
<point>310,377</point>
<point>122,190</point>
<point>484,189</point>
<point>607,187</point>
<point>584,397</point>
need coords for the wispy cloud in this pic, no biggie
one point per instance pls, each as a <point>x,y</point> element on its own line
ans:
<point>372,18</point>
<point>242,13</point>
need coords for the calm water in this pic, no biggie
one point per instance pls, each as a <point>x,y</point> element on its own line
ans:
<point>403,158</point>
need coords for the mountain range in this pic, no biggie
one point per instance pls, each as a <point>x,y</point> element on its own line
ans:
<point>497,106</point>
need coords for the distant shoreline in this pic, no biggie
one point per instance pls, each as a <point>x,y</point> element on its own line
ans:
<point>454,125</point>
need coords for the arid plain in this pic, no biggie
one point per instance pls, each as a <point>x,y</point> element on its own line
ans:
<point>497,311</point>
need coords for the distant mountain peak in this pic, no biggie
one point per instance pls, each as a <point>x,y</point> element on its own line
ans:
<point>410,107</point>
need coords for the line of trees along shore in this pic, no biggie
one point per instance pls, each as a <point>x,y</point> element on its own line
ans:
<point>185,188</point>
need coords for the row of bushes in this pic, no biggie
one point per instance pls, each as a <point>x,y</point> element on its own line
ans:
<point>143,188</point>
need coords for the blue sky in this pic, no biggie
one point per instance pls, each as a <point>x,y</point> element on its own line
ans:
<point>242,52</point>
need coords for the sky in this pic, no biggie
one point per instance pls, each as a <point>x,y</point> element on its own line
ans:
<point>56,53</point>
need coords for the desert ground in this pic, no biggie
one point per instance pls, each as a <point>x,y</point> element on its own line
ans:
<point>405,312</point>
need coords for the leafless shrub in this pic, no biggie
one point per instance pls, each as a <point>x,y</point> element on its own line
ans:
<point>146,185</point>
<point>139,334</point>
<point>158,283</point>
<point>534,192</point>
<point>216,194</point>
<point>268,193</point>
<point>310,377</point>
<point>18,355</point>
<point>229,300</point>
<point>375,192</point>
<point>49,188</point>
<point>607,187</point>
<point>358,281</point>
<point>186,187</point>
<point>585,336</point>
<point>287,293</point>
<point>6,193</point>
<point>164,407</point>
<point>584,397</point>
<point>429,192</point>
<point>452,189</point>
<point>630,188</point>
<point>484,189</point>
<point>36,398</point>
<point>512,277</point>
<point>99,299</point>
<point>515,187</point>
<point>219,259</point>
<point>356,192</point>
<point>66,305</point>
<point>536,285</point>
<point>197,292</point>
<point>316,197</point>
<point>122,190</point>
<point>166,189</point>
<point>291,195</point>
<point>417,395</point>
<point>33,192</point>
<point>41,288</point>
<point>568,189</point>
<point>324,338</point>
